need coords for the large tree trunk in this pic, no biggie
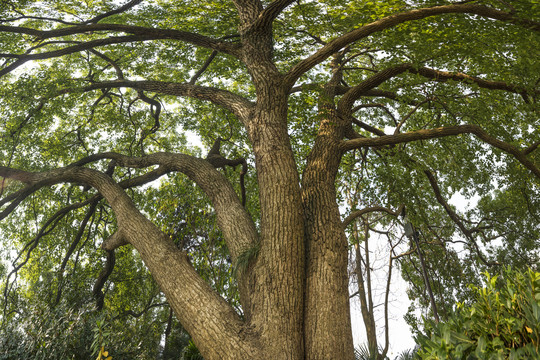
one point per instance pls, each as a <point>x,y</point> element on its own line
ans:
<point>294,291</point>
<point>327,316</point>
<point>277,305</point>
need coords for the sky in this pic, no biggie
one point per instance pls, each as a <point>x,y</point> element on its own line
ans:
<point>400,335</point>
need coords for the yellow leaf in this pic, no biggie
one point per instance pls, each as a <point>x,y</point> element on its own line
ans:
<point>529,330</point>
<point>105,353</point>
<point>109,358</point>
<point>100,352</point>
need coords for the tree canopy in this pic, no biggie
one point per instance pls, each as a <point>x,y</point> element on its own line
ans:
<point>318,119</point>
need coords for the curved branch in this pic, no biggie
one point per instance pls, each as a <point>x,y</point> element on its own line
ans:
<point>22,59</point>
<point>146,32</point>
<point>102,279</point>
<point>356,214</point>
<point>354,93</point>
<point>237,226</point>
<point>117,69</point>
<point>346,102</point>
<point>238,105</point>
<point>271,12</point>
<point>119,10</point>
<point>396,19</point>
<point>54,220</point>
<point>456,219</point>
<point>217,160</point>
<point>218,328</point>
<point>17,197</point>
<point>443,132</point>
<point>82,227</point>
<point>114,241</point>
<point>444,76</point>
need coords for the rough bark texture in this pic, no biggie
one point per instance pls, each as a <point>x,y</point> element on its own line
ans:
<point>294,293</point>
<point>327,318</point>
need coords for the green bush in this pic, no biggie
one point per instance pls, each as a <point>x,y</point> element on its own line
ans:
<point>502,323</point>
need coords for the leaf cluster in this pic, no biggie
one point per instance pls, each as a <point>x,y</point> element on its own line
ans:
<point>502,322</point>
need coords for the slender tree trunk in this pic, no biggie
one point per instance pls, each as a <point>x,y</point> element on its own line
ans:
<point>366,301</point>
<point>367,316</point>
<point>425,276</point>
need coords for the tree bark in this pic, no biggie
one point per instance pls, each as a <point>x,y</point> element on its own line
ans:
<point>294,292</point>
<point>327,322</point>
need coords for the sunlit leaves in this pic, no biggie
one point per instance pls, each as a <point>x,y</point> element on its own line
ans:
<point>49,118</point>
<point>501,322</point>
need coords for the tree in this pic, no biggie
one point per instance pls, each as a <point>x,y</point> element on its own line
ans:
<point>285,90</point>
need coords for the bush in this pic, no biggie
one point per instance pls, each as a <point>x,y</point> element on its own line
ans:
<point>502,323</point>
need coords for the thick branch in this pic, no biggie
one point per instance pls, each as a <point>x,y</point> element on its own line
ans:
<point>346,102</point>
<point>219,329</point>
<point>271,12</point>
<point>443,76</point>
<point>228,100</point>
<point>396,19</point>
<point>236,225</point>
<point>354,93</point>
<point>102,279</point>
<point>17,197</point>
<point>114,241</point>
<point>443,132</point>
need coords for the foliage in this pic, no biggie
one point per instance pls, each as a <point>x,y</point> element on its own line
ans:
<point>45,334</point>
<point>135,78</point>
<point>407,355</point>
<point>103,354</point>
<point>362,353</point>
<point>190,352</point>
<point>245,258</point>
<point>501,322</point>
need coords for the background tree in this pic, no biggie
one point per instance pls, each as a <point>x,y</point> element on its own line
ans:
<point>436,97</point>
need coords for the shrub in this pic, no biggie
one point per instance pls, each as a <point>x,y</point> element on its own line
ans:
<point>502,323</point>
